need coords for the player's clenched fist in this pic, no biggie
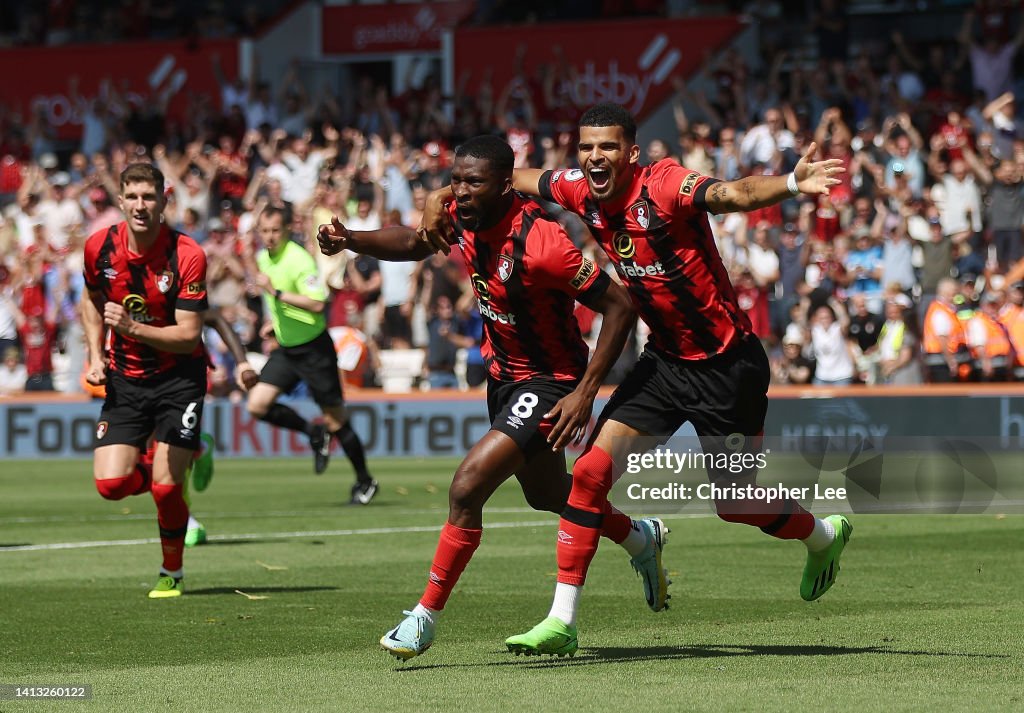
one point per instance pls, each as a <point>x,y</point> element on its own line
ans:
<point>97,372</point>
<point>333,237</point>
<point>117,318</point>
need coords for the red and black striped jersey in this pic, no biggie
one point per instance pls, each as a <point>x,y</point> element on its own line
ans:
<point>171,275</point>
<point>659,239</point>
<point>527,276</point>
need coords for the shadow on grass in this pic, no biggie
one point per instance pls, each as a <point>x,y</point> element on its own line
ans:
<point>604,655</point>
<point>216,542</point>
<point>258,590</point>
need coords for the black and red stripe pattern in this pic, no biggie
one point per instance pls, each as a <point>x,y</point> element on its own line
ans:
<point>170,276</point>
<point>527,276</point>
<point>659,238</point>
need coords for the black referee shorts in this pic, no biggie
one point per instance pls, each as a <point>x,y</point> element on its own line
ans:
<point>516,408</point>
<point>314,362</point>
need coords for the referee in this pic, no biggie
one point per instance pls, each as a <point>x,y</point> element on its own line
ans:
<point>295,300</point>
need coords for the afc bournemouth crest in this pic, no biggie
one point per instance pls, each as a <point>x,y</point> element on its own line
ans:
<point>641,214</point>
<point>505,265</point>
<point>101,430</point>
<point>164,281</point>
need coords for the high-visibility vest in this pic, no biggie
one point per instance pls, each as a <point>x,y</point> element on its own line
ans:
<point>957,339</point>
<point>897,341</point>
<point>997,345</point>
<point>1008,314</point>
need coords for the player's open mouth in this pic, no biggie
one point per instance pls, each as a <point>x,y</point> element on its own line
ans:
<point>465,212</point>
<point>600,177</point>
<point>141,219</point>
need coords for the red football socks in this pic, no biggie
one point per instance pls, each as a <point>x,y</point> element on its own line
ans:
<point>455,548</point>
<point>582,522</point>
<point>784,519</point>
<point>172,516</point>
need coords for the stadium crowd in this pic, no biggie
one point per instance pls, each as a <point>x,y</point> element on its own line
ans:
<point>909,271</point>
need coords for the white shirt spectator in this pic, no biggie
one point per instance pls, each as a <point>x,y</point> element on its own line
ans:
<point>759,145</point>
<point>60,219</point>
<point>303,176</point>
<point>258,113</point>
<point>830,351</point>
<point>763,263</point>
<point>962,205</point>
<point>12,381</point>
<point>8,327</point>
<point>394,282</point>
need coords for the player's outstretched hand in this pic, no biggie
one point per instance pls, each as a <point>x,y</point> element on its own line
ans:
<point>571,414</point>
<point>435,229</point>
<point>816,177</point>
<point>97,372</point>
<point>117,318</point>
<point>334,237</point>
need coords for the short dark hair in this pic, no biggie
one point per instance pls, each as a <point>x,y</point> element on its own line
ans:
<point>143,173</point>
<point>495,151</point>
<point>609,114</point>
<point>269,211</point>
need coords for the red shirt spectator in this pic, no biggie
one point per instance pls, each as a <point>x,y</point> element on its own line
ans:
<point>38,339</point>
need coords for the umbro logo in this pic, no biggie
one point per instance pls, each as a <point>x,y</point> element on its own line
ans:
<point>565,538</point>
<point>110,273</point>
<point>515,421</point>
<point>434,577</point>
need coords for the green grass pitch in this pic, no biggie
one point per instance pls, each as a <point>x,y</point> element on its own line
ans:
<point>927,614</point>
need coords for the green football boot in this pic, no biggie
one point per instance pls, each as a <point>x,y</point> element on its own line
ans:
<point>822,567</point>
<point>552,637</point>
<point>202,466</point>
<point>166,587</point>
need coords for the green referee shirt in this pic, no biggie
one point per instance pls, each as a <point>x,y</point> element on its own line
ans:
<point>293,269</point>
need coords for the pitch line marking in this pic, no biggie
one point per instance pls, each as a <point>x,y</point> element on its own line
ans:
<point>250,536</point>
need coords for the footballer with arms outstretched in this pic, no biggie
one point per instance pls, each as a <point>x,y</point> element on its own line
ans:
<point>702,363</point>
<point>527,275</point>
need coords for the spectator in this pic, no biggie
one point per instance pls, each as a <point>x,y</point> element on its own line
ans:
<point>12,373</point>
<point>441,347</point>
<point>830,347</point>
<point>897,254</point>
<point>990,341</point>
<point>1004,213</point>
<point>397,298</point>
<point>792,367</point>
<point>38,338</point>
<point>864,266</point>
<point>765,142</point>
<point>8,325</point>
<point>864,324</point>
<point>946,354</point>
<point>991,61</point>
<point>895,353</point>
